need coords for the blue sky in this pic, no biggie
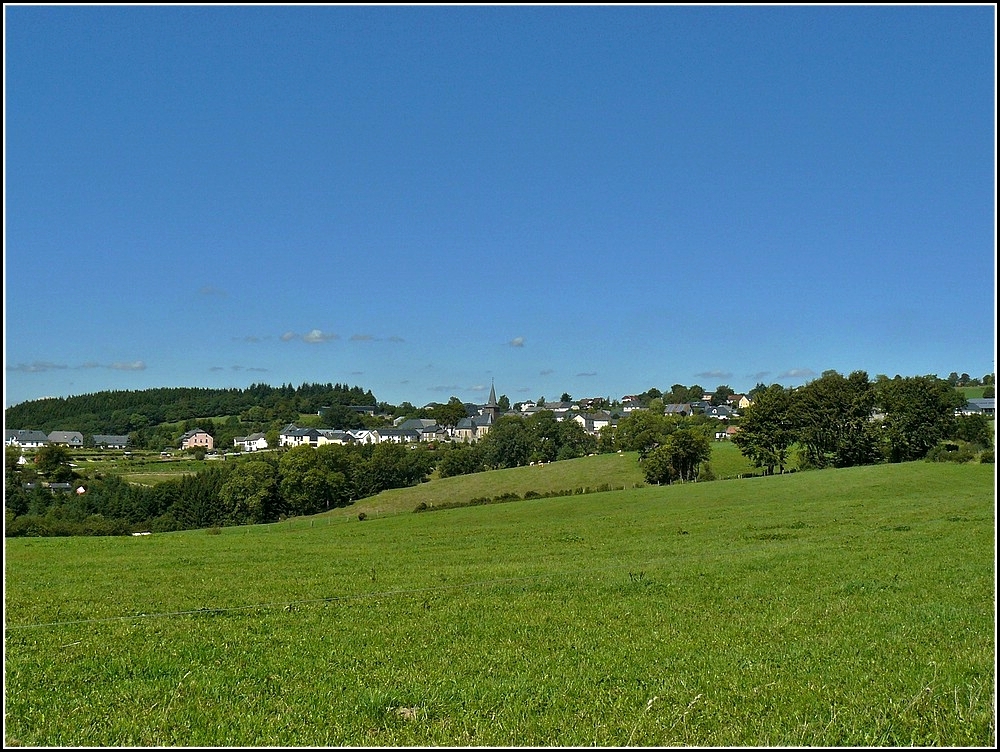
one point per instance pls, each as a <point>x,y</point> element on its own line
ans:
<point>424,200</point>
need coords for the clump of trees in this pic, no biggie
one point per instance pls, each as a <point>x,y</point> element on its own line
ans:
<point>683,456</point>
<point>838,421</point>
<point>515,441</point>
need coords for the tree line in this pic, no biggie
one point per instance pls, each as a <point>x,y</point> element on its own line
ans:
<point>844,421</point>
<point>259,489</point>
<point>126,412</point>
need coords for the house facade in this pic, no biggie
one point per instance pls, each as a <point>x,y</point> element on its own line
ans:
<point>73,439</point>
<point>473,428</point>
<point>252,443</point>
<point>593,422</point>
<point>197,437</point>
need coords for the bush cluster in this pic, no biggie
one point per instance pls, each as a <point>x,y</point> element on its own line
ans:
<point>507,496</point>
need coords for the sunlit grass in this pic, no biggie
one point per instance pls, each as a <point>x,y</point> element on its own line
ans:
<point>835,608</point>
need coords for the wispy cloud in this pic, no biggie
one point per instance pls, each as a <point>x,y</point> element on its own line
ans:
<point>317,335</point>
<point>452,388</point>
<point>373,338</point>
<point>249,338</point>
<point>39,366</point>
<point>313,337</point>
<point>546,372</point>
<point>212,292</point>
<point>713,375</point>
<point>797,373</point>
<point>760,375</point>
<point>587,373</point>
<point>517,342</point>
<point>135,365</point>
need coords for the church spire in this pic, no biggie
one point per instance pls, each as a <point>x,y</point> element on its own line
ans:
<point>491,408</point>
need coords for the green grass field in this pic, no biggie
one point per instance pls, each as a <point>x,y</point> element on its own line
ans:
<point>837,608</point>
<point>585,473</point>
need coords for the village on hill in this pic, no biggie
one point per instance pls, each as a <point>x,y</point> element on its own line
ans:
<point>592,414</point>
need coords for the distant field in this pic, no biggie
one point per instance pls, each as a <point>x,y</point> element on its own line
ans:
<point>582,474</point>
<point>837,608</point>
<point>149,467</point>
<point>972,392</point>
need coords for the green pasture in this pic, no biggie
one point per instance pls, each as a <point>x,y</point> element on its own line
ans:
<point>584,474</point>
<point>847,607</point>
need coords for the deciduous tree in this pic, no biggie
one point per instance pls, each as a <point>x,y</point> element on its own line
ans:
<point>766,434</point>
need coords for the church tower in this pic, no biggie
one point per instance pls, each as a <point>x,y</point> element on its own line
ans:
<point>491,408</point>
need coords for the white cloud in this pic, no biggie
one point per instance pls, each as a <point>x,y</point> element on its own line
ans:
<point>288,336</point>
<point>318,335</point>
<point>517,342</point>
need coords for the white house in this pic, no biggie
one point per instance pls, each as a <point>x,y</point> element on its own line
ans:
<point>252,443</point>
<point>593,422</point>
<point>25,438</point>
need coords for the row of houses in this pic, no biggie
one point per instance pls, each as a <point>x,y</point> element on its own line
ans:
<point>471,428</point>
<point>31,439</point>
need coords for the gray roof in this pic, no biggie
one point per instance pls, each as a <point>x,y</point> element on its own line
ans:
<point>25,436</point>
<point>678,408</point>
<point>475,421</point>
<point>100,438</point>
<point>984,403</point>
<point>66,437</point>
<point>416,424</point>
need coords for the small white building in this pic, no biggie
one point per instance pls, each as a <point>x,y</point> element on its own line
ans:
<point>252,443</point>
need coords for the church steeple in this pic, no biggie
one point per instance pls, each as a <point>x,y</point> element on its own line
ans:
<point>491,407</point>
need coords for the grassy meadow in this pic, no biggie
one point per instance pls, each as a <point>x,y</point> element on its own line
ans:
<point>847,607</point>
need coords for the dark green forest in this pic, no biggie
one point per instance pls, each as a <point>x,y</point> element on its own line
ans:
<point>125,412</point>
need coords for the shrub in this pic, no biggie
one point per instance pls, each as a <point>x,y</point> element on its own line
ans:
<point>988,457</point>
<point>951,451</point>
